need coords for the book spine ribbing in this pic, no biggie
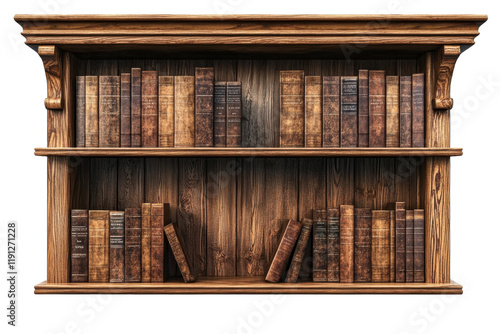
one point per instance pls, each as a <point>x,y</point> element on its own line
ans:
<point>300,250</point>
<point>80,111</point>
<point>376,88</point>
<point>349,112</point>
<point>362,245</point>
<point>346,244</point>
<point>79,245</point>
<point>312,105</point>
<point>292,114</point>
<point>233,116</point>
<point>98,246</point>
<point>320,256</point>
<point>204,106</point>
<point>117,246</point>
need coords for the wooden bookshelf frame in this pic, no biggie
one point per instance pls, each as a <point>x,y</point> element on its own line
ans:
<point>435,41</point>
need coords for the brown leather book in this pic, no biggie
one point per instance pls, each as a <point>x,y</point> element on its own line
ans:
<point>79,245</point>
<point>292,114</point>
<point>177,244</point>
<point>146,242</point>
<point>149,111</point>
<point>80,111</point>
<point>331,111</point>
<point>392,111</point>
<point>133,253</point>
<point>376,91</point>
<point>280,260</point>
<point>400,261</point>
<point>419,246</point>
<point>392,243</point>
<point>135,107</point>
<point>204,106</point>
<point>233,116</point>
<point>184,111</point>
<point>409,246</point>
<point>165,111</point>
<point>312,103</point>
<point>381,257</point>
<point>98,246</point>
<point>125,137</point>
<point>363,109</point>
<point>109,111</point>
<point>417,110</point>
<point>91,111</point>
<point>159,218</point>
<point>300,250</point>
<point>349,112</point>
<point>333,244</point>
<point>405,111</point>
<point>320,256</point>
<point>220,88</point>
<point>362,245</point>
<point>347,244</point>
<point>117,246</point>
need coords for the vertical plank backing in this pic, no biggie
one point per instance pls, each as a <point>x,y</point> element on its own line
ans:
<point>130,183</point>
<point>339,182</point>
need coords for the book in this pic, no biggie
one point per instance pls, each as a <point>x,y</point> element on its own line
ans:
<point>135,107</point>
<point>292,114</point>
<point>165,111</point>
<point>177,244</point>
<point>319,246</point>
<point>204,106</point>
<point>80,111</point>
<point>117,246</point>
<point>392,111</point>
<point>376,105</point>
<point>109,111</point>
<point>331,111</point>
<point>400,217</point>
<point>409,246</point>
<point>91,111</point>
<point>312,105</point>
<point>333,244</point>
<point>125,131</point>
<point>146,242</point>
<point>417,110</point>
<point>405,111</point>
<point>363,109</point>
<point>392,245</point>
<point>220,88</point>
<point>381,246</point>
<point>300,250</point>
<point>159,218</point>
<point>133,253</point>
<point>418,246</point>
<point>346,243</point>
<point>349,112</point>
<point>362,245</point>
<point>184,111</point>
<point>284,251</point>
<point>98,246</point>
<point>149,111</point>
<point>79,245</point>
<point>233,116</point>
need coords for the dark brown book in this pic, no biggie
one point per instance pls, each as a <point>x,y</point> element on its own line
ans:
<point>312,105</point>
<point>400,213</point>
<point>109,111</point>
<point>419,246</point>
<point>220,88</point>
<point>349,112</point>
<point>331,111</point>
<point>125,131</point>
<point>405,111</point>
<point>165,111</point>
<point>320,255</point>
<point>184,111</point>
<point>98,246</point>
<point>363,109</point>
<point>409,246</point>
<point>333,244</point>
<point>149,111</point>
<point>159,218</point>
<point>135,107</point>
<point>79,245</point>
<point>177,244</point>
<point>376,91</point>
<point>300,250</point>
<point>280,260</point>
<point>146,242</point>
<point>80,111</point>
<point>362,245</point>
<point>392,111</point>
<point>292,114</point>
<point>117,246</point>
<point>417,110</point>
<point>346,243</point>
<point>133,253</point>
<point>392,243</point>
<point>381,250</point>
<point>91,111</point>
<point>204,106</point>
<point>233,116</point>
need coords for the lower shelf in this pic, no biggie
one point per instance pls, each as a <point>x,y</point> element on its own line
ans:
<point>247,285</point>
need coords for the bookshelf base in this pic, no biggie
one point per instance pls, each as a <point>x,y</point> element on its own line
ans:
<point>247,285</point>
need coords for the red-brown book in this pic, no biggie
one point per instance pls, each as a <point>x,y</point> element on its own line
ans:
<point>363,109</point>
<point>362,245</point>
<point>381,246</point>
<point>349,112</point>
<point>331,111</point>
<point>392,111</point>
<point>79,245</point>
<point>346,243</point>
<point>125,131</point>
<point>300,250</point>
<point>419,246</point>
<point>376,88</point>
<point>292,114</point>
<point>392,238</point>
<point>233,116</point>
<point>109,111</point>
<point>320,255</point>
<point>417,110</point>
<point>165,111</point>
<point>98,246</point>
<point>146,242</point>
<point>204,106</point>
<point>405,111</point>
<point>80,111</point>
<point>135,107</point>
<point>133,253</point>
<point>149,112</point>
<point>312,105</point>
<point>117,246</point>
<point>177,244</point>
<point>159,219</point>
<point>220,90</point>
<point>409,246</point>
<point>333,244</point>
<point>184,111</point>
<point>400,213</point>
<point>91,111</point>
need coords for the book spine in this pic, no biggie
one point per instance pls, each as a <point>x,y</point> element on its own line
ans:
<point>159,216</point>
<point>312,105</point>
<point>417,106</point>
<point>176,243</point>
<point>80,111</point>
<point>204,106</point>
<point>91,111</point>
<point>125,110</point>
<point>184,111</point>
<point>381,246</point>
<point>149,111</point>
<point>392,111</point>
<point>233,116</point>
<point>363,123</point>
<point>392,243</point>
<point>300,250</point>
<point>409,246</point>
<point>135,107</point>
<point>362,245</point>
<point>405,111</point>
<point>346,244</point>
<point>98,246</point>
<point>220,88</point>
<point>320,256</point>
<point>117,246</point>
<point>165,111</point>
<point>133,253</point>
<point>333,245</point>
<point>146,242</point>
<point>376,88</point>
<point>331,111</point>
<point>292,114</point>
<point>400,242</point>
<point>419,246</point>
<point>79,245</point>
<point>109,111</point>
<point>349,112</point>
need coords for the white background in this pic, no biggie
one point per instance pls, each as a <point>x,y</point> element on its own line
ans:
<point>474,205</point>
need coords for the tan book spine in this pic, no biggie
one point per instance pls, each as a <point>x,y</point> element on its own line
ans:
<point>177,244</point>
<point>133,240</point>
<point>149,111</point>
<point>320,256</point>
<point>204,106</point>
<point>419,246</point>
<point>300,250</point>
<point>135,107</point>
<point>159,218</point>
<point>362,245</point>
<point>392,111</point>
<point>98,246</point>
<point>417,106</point>
<point>184,111</point>
<point>392,238</point>
<point>405,111</point>
<point>292,114</point>
<point>165,111</point>
<point>349,112</point>
<point>91,111</point>
<point>376,88</point>
<point>117,246</point>
<point>312,103</point>
<point>125,139</point>
<point>109,111</point>
<point>331,111</point>
<point>346,243</point>
<point>80,111</point>
<point>380,246</point>
<point>363,109</point>
<point>146,242</point>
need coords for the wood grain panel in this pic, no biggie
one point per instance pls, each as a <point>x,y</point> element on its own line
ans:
<point>374,182</point>
<point>339,182</point>
<point>103,184</point>
<point>130,183</point>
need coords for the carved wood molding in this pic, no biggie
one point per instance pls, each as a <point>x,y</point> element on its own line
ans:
<point>52,62</point>
<point>448,55</point>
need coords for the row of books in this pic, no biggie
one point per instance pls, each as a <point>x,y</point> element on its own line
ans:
<point>368,110</point>
<point>354,245</point>
<point>124,246</point>
<point>142,109</point>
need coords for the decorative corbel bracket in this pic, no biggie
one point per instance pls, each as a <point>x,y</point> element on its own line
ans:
<point>447,57</point>
<point>52,62</point>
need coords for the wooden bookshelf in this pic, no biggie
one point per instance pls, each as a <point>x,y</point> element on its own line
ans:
<point>238,200</point>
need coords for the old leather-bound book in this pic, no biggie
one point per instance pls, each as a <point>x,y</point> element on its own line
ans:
<point>146,242</point>
<point>331,111</point>
<point>320,256</point>
<point>177,244</point>
<point>312,103</point>
<point>133,253</point>
<point>405,111</point>
<point>409,246</point>
<point>80,111</point>
<point>400,256</point>
<point>79,245</point>
<point>125,137</point>
<point>346,243</point>
<point>220,113</point>
<point>392,111</point>
<point>233,116</point>
<point>381,246</point>
<point>117,246</point>
<point>109,111</point>
<point>349,112</point>
<point>417,106</point>
<point>135,107</point>
<point>362,245</point>
<point>333,244</point>
<point>165,111</point>
<point>392,242</point>
<point>300,250</point>
<point>184,111</point>
<point>292,109</point>
<point>91,111</point>
<point>98,246</point>
<point>376,91</point>
<point>149,112</point>
<point>204,106</point>
<point>280,260</point>
<point>419,246</point>
<point>363,102</point>
<point>159,218</point>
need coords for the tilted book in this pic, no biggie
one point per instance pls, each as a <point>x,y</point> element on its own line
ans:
<point>300,250</point>
<point>177,244</point>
